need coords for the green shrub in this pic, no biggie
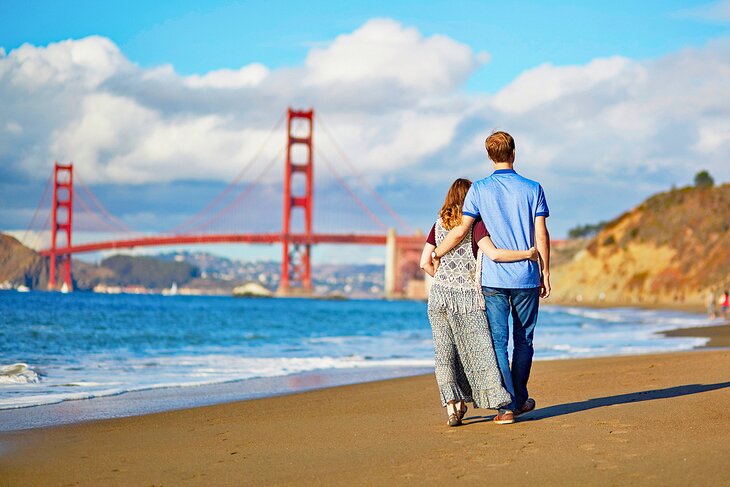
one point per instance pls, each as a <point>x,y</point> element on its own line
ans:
<point>704,180</point>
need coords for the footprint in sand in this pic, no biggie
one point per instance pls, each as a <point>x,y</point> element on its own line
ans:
<point>618,440</point>
<point>615,436</point>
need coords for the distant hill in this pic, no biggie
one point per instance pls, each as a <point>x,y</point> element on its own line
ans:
<point>673,248</point>
<point>21,265</point>
<point>147,271</point>
<point>200,271</point>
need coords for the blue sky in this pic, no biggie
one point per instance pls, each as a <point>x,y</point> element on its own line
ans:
<point>609,101</point>
<point>196,37</point>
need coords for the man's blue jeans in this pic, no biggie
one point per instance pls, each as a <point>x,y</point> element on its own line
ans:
<point>523,305</point>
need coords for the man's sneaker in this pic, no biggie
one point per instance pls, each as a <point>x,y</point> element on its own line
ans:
<point>504,417</point>
<point>527,407</point>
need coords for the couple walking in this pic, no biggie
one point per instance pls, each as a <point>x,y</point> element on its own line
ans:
<point>489,255</point>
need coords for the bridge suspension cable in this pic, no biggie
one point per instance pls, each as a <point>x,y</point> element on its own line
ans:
<point>190,223</point>
<point>79,199</point>
<point>114,223</point>
<point>37,210</point>
<point>241,196</point>
<point>362,179</point>
<point>350,192</point>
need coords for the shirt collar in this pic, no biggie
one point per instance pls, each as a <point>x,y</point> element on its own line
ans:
<point>504,171</point>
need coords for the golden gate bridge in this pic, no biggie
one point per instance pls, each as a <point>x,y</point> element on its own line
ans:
<point>296,237</point>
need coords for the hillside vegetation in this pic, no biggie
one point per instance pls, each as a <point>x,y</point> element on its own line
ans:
<point>147,271</point>
<point>673,248</point>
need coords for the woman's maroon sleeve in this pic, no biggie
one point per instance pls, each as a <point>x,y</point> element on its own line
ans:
<point>478,232</point>
<point>431,239</point>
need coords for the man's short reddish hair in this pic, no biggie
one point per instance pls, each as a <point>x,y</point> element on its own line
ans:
<point>500,146</point>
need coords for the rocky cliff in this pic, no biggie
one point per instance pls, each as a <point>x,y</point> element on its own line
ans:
<point>21,265</point>
<point>673,248</point>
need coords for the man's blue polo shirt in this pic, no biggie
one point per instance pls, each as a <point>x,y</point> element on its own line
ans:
<point>508,204</point>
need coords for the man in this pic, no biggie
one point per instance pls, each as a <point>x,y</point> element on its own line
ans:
<point>514,211</point>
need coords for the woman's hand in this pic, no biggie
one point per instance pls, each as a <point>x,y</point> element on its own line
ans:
<point>426,262</point>
<point>533,254</point>
<point>435,262</point>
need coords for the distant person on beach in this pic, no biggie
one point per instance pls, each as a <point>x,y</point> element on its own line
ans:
<point>514,210</point>
<point>710,302</point>
<point>724,304</point>
<point>466,367</point>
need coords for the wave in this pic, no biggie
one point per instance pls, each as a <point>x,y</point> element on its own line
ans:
<point>562,333</point>
<point>570,351</point>
<point>189,371</point>
<point>18,374</point>
<point>660,320</point>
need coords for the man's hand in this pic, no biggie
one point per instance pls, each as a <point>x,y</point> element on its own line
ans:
<point>545,286</point>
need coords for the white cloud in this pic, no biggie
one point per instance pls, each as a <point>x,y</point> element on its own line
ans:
<point>714,137</point>
<point>250,75</point>
<point>658,118</point>
<point>609,130</point>
<point>122,123</point>
<point>383,50</point>
<point>88,62</point>
<point>710,12</point>
<point>547,83</point>
<point>13,128</point>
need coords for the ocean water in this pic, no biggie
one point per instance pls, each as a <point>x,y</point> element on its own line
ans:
<point>56,348</point>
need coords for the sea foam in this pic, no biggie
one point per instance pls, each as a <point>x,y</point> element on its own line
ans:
<point>18,374</point>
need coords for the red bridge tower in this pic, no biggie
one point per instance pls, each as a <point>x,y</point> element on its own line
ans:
<point>296,269</point>
<point>63,192</point>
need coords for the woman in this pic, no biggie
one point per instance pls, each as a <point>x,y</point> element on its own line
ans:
<point>466,367</point>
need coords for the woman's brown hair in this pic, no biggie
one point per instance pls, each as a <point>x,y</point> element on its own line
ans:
<point>450,213</point>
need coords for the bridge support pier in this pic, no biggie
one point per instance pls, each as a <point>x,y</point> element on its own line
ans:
<point>296,269</point>
<point>403,275</point>
<point>61,222</point>
<point>390,264</point>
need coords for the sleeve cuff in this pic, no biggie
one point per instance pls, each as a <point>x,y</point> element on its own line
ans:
<point>470,214</point>
<point>543,213</point>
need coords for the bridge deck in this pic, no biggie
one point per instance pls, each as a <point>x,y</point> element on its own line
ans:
<point>263,238</point>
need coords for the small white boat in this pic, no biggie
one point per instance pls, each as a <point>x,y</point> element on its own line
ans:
<point>22,288</point>
<point>172,291</point>
<point>64,288</point>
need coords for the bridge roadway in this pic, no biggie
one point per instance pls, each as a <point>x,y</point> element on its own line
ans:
<point>261,238</point>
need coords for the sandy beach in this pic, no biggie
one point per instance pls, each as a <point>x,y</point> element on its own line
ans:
<point>719,335</point>
<point>631,420</point>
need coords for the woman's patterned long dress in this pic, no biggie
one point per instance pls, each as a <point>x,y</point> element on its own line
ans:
<point>466,367</point>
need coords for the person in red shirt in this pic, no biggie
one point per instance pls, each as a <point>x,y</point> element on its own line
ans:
<point>725,304</point>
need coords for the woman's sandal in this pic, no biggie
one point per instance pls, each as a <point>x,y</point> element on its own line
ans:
<point>455,415</point>
<point>462,412</point>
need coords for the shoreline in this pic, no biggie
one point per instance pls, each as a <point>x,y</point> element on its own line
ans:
<point>147,401</point>
<point>151,401</point>
<point>693,308</point>
<point>605,416</point>
<point>718,335</point>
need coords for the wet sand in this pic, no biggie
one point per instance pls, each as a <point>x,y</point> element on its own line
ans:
<point>719,335</point>
<point>634,420</point>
